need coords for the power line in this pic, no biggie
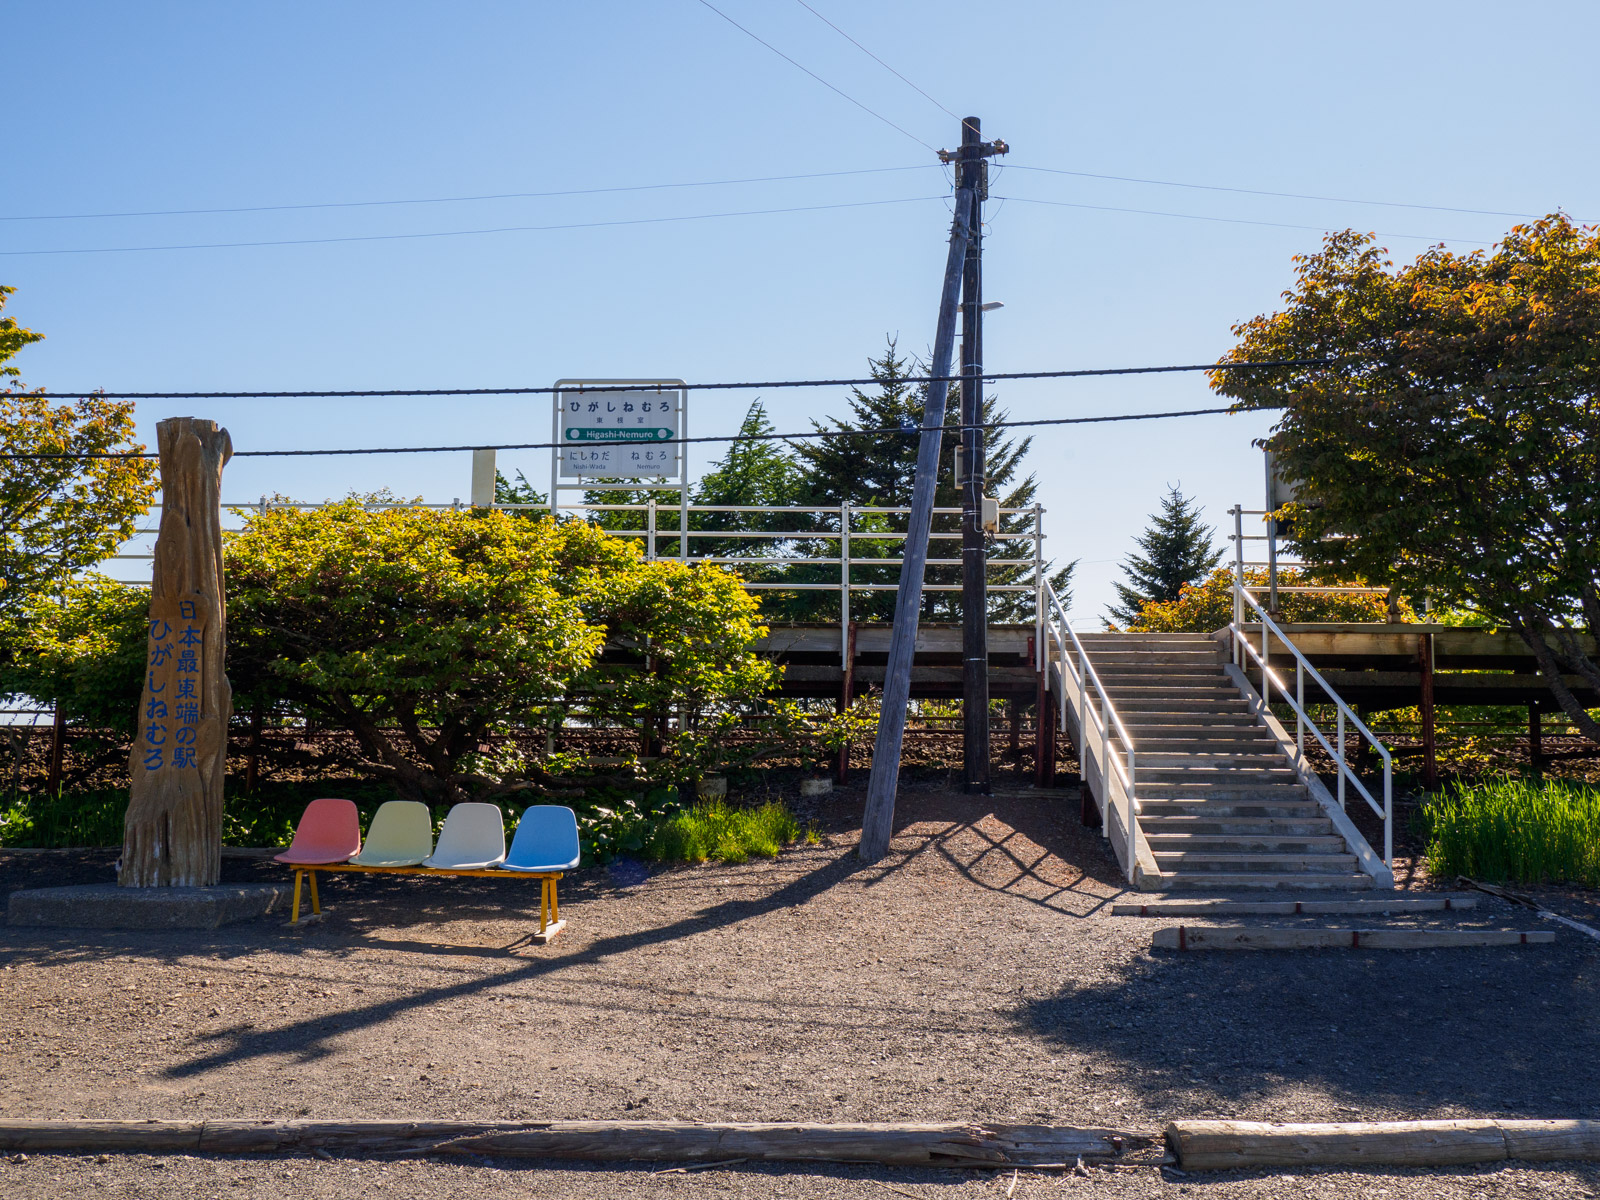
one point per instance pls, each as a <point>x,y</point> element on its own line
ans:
<point>1150,212</point>
<point>1206,187</point>
<point>683,441</point>
<point>998,377</point>
<point>394,237</point>
<point>815,76</point>
<point>880,62</point>
<point>640,187</point>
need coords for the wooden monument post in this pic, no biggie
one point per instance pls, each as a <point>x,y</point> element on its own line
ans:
<point>173,833</point>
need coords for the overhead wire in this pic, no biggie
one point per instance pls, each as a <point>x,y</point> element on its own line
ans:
<point>1150,212</point>
<point>838,91</point>
<point>547,390</point>
<point>683,441</point>
<point>930,99</point>
<point>1206,187</point>
<point>638,187</point>
<point>393,237</point>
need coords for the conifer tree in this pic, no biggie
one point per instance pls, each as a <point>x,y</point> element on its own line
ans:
<point>1174,550</point>
<point>877,470</point>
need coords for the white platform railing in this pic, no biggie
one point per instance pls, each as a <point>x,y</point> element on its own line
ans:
<point>841,544</point>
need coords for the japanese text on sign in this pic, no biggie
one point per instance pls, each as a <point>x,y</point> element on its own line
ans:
<point>169,721</point>
<point>619,434</point>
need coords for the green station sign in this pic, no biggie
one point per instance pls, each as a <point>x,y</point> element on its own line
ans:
<point>657,434</point>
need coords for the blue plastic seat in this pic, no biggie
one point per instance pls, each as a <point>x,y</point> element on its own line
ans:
<point>546,840</point>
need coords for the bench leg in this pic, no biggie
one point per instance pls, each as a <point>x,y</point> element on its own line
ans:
<point>555,905</point>
<point>294,917</point>
<point>316,904</point>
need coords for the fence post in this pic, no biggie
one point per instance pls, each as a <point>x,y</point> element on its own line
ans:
<point>844,585</point>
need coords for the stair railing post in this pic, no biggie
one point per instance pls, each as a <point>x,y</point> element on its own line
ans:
<point>1105,754</point>
<point>1388,811</point>
<point>1238,579</point>
<point>1299,713</point>
<point>1341,758</point>
<point>1133,809</point>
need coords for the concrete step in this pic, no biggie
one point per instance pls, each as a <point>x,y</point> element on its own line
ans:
<point>1146,639</point>
<point>1190,793</point>
<point>1261,758</point>
<point>1194,724</point>
<point>1110,668</point>
<point>1222,880</point>
<point>1154,659</point>
<point>1199,775</point>
<point>1255,864</point>
<point>1234,705</point>
<point>1234,844</point>
<point>1242,827</point>
<point>1208,747</point>
<point>1221,808</point>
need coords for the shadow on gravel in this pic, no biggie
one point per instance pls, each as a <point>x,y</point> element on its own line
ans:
<point>307,1040</point>
<point>1511,1031</point>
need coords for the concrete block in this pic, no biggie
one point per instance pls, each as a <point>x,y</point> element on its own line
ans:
<point>107,906</point>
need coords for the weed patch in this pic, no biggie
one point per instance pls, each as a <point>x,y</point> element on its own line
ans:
<point>1516,831</point>
<point>714,830</point>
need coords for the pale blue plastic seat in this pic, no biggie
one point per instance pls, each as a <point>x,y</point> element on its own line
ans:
<point>546,840</point>
<point>473,839</point>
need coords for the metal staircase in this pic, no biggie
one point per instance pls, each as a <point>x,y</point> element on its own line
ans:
<point>1197,783</point>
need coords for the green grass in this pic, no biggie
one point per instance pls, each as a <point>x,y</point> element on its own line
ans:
<point>713,830</point>
<point>1516,831</point>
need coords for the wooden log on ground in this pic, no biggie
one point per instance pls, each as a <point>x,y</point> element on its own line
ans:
<point>1231,1145</point>
<point>936,1145</point>
<point>1291,908</point>
<point>172,834</point>
<point>1254,937</point>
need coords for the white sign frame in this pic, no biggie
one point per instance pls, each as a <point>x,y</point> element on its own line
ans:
<point>564,390</point>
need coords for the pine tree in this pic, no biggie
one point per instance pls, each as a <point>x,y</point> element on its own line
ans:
<point>1174,550</point>
<point>876,470</point>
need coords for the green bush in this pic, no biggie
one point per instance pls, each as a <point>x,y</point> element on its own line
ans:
<point>713,830</point>
<point>1516,831</point>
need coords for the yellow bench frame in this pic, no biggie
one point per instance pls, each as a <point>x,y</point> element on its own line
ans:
<point>550,922</point>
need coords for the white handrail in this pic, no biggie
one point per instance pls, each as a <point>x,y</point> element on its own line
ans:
<point>1302,667</point>
<point>1060,632</point>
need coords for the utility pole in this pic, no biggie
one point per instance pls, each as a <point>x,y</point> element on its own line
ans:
<point>972,173</point>
<point>877,822</point>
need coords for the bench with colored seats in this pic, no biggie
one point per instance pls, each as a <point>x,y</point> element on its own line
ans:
<point>471,843</point>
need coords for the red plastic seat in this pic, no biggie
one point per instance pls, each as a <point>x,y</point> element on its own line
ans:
<point>329,832</point>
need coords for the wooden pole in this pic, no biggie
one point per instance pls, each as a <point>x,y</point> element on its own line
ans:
<point>58,750</point>
<point>847,687</point>
<point>173,832</point>
<point>971,169</point>
<point>963,1145</point>
<point>1430,761</point>
<point>1228,1145</point>
<point>252,763</point>
<point>1015,707</point>
<point>1535,738</point>
<point>877,823</point>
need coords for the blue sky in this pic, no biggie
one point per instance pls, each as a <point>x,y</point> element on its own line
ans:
<point>115,108</point>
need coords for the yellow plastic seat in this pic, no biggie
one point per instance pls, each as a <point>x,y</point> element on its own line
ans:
<point>401,835</point>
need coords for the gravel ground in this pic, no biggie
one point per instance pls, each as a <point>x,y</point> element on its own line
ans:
<point>974,974</point>
<point>52,1177</point>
